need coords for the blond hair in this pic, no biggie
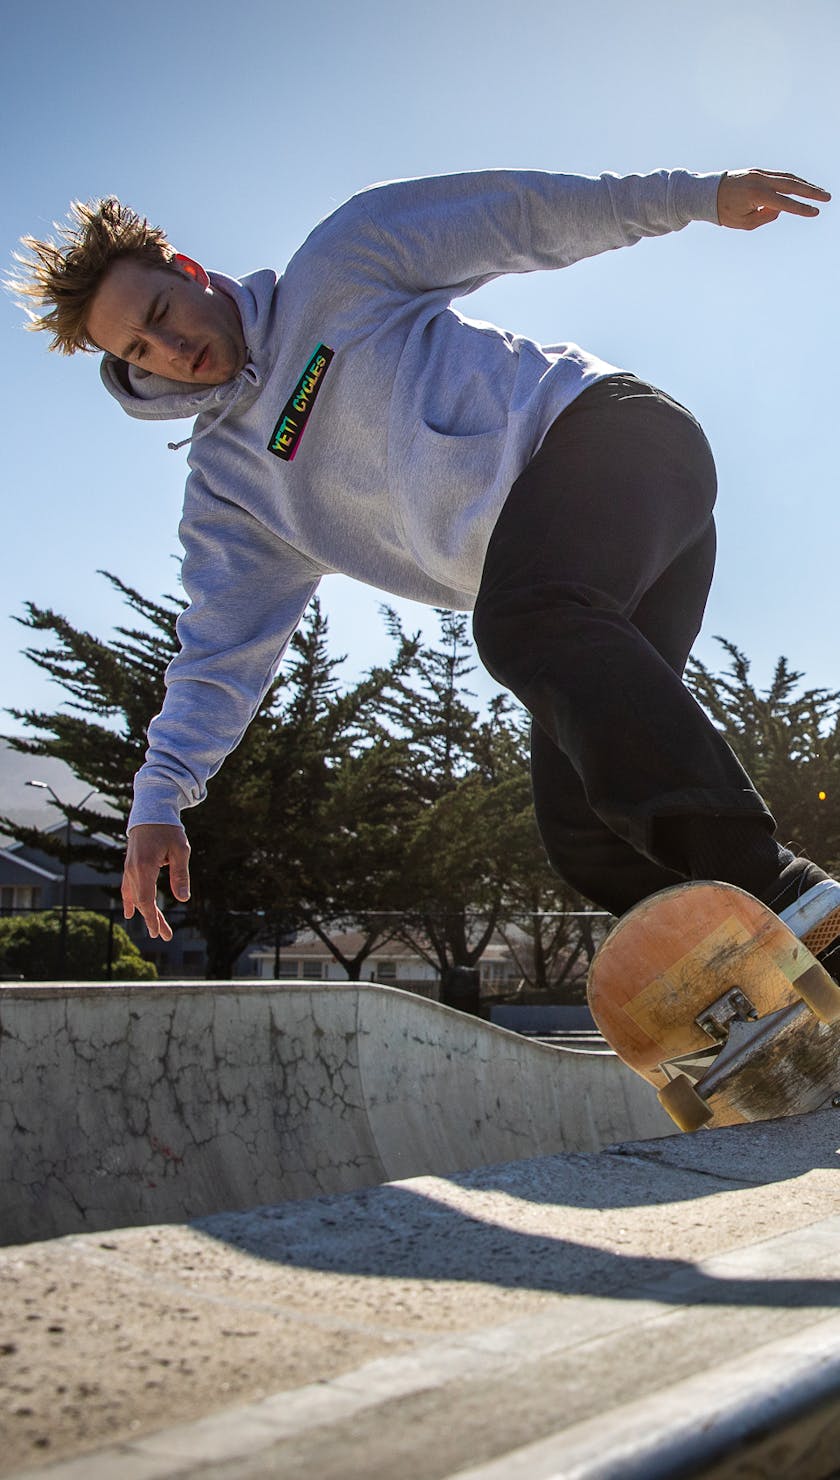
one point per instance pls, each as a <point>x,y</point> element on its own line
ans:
<point>66,273</point>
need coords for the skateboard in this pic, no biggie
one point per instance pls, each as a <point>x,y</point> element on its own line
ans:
<point>713,999</point>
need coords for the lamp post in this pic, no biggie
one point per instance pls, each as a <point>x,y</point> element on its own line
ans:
<point>65,886</point>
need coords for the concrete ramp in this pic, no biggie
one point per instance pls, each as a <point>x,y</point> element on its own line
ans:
<point>136,1104</point>
<point>657,1311</point>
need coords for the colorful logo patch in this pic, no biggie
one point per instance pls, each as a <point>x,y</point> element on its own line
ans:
<point>285,439</point>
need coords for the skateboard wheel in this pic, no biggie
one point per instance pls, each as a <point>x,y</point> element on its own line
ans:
<point>819,993</point>
<point>687,1109</point>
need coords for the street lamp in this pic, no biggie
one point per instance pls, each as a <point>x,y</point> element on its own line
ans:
<point>65,887</point>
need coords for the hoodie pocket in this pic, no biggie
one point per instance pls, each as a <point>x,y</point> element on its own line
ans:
<point>448,500</point>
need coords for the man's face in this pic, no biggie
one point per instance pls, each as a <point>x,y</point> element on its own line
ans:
<point>168,322</point>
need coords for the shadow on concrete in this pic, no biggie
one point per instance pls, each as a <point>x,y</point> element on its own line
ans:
<point>400,1233</point>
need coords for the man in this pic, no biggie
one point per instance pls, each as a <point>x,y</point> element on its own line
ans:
<point>349,419</point>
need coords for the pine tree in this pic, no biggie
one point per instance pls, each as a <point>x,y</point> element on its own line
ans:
<point>788,739</point>
<point>549,930</point>
<point>264,840</point>
<point>340,775</point>
<point>115,687</point>
<point>470,786</point>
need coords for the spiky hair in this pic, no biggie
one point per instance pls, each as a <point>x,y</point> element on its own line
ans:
<point>63,275</point>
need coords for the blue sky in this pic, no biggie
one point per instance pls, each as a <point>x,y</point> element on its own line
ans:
<point>237,127</point>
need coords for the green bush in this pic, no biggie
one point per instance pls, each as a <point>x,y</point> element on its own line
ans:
<point>30,947</point>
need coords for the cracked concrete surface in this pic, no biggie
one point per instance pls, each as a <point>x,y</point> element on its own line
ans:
<point>138,1104</point>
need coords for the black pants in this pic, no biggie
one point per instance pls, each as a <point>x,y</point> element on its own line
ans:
<point>592,594</point>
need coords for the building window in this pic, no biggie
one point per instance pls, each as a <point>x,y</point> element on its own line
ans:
<point>386,972</point>
<point>313,971</point>
<point>288,967</point>
<point>499,971</point>
<point>20,897</point>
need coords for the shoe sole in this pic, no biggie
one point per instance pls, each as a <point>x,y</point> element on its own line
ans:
<point>815,916</point>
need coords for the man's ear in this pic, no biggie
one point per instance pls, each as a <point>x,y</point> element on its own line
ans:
<point>192,268</point>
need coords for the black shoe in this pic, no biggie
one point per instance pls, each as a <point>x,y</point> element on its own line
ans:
<point>795,880</point>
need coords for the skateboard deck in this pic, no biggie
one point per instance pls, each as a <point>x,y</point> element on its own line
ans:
<point>708,995</point>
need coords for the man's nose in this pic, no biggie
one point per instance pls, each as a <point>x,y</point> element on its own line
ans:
<point>170,342</point>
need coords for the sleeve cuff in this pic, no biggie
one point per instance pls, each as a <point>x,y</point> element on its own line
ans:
<point>151,808</point>
<point>695,196</point>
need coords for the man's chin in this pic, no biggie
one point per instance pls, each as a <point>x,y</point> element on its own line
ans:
<point>219,367</point>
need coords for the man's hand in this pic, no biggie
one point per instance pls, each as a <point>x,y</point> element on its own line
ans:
<point>750,198</point>
<point>151,847</point>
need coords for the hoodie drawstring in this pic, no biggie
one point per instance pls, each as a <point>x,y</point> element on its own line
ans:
<point>248,375</point>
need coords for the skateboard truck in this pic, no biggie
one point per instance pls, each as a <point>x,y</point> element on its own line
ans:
<point>733,1006</point>
<point>749,1040</point>
<point>717,1021</point>
<point>745,1038</point>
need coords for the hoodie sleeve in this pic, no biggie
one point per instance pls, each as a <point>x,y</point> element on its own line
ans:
<point>460,231</point>
<point>247,592</point>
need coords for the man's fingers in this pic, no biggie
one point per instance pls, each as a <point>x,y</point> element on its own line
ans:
<point>793,184</point>
<point>164,929</point>
<point>136,896</point>
<point>179,872</point>
<point>773,201</point>
<point>127,893</point>
<point>156,923</point>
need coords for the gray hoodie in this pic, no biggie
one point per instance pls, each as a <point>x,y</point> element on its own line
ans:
<point>374,430</point>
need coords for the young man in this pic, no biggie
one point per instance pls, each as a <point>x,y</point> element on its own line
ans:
<point>349,419</point>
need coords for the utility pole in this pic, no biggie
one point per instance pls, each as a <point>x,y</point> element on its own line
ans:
<point>65,885</point>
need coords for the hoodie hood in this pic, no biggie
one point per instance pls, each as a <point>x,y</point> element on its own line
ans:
<point>149,397</point>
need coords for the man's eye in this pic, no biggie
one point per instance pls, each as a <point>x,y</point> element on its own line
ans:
<point>140,351</point>
<point>162,312</point>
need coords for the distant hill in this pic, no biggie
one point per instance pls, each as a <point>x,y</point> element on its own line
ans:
<point>28,804</point>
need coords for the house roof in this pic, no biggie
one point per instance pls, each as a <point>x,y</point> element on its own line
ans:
<point>56,827</point>
<point>9,858</point>
<point>346,941</point>
<point>349,942</point>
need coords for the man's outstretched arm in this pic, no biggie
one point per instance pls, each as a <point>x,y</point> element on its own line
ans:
<point>460,231</point>
<point>151,847</point>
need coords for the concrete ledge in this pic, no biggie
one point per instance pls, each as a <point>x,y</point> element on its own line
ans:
<point>123,1105</point>
<point>774,1411</point>
<point>660,1309</point>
